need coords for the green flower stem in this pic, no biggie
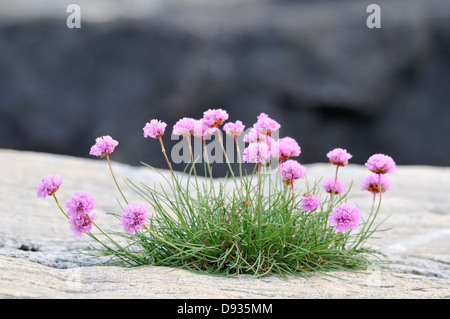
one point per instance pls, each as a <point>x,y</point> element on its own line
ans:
<point>364,232</point>
<point>115,181</point>
<point>163,150</point>
<point>259,208</point>
<point>57,203</point>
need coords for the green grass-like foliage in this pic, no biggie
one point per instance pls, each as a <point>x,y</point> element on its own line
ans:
<point>252,224</point>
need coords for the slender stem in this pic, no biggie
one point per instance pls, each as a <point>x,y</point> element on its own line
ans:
<point>364,233</point>
<point>115,181</point>
<point>163,150</point>
<point>259,201</point>
<point>57,203</point>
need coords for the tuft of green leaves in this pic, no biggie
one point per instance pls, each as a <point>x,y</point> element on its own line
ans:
<point>247,226</point>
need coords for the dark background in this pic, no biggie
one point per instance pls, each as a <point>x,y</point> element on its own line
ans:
<point>314,66</point>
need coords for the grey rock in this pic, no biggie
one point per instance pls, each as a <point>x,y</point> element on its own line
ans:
<point>416,242</point>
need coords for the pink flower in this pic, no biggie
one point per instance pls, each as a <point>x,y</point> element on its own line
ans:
<point>380,164</point>
<point>154,129</point>
<point>202,128</point>
<point>310,202</point>
<point>134,217</point>
<point>81,203</point>
<point>254,136</point>
<point>103,146</point>
<point>234,129</point>
<point>50,184</point>
<point>291,170</point>
<point>215,117</point>
<point>331,187</point>
<point>372,183</point>
<point>256,153</point>
<point>184,126</point>
<point>266,125</point>
<point>285,148</point>
<point>344,217</point>
<point>82,223</point>
<point>339,156</point>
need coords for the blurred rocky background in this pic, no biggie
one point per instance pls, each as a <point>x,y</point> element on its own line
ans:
<point>314,66</point>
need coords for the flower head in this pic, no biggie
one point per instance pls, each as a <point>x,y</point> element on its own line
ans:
<point>291,170</point>
<point>215,117</point>
<point>202,128</point>
<point>254,136</point>
<point>134,217</point>
<point>50,184</point>
<point>373,181</point>
<point>344,217</point>
<point>184,126</point>
<point>285,148</point>
<point>154,129</point>
<point>82,223</point>
<point>334,186</point>
<point>103,146</point>
<point>234,129</point>
<point>380,164</point>
<point>339,156</point>
<point>256,153</point>
<point>266,125</point>
<point>310,202</point>
<point>81,203</point>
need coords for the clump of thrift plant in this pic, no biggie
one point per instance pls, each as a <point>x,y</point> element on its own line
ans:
<point>261,221</point>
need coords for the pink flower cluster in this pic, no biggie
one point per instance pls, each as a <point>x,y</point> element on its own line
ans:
<point>49,185</point>
<point>103,146</point>
<point>134,217</point>
<point>79,210</point>
<point>284,148</point>
<point>339,156</point>
<point>234,129</point>
<point>215,117</point>
<point>261,132</point>
<point>380,164</point>
<point>291,170</point>
<point>310,202</point>
<point>265,125</point>
<point>256,153</point>
<point>184,126</point>
<point>334,186</point>
<point>344,217</point>
<point>154,129</point>
<point>377,182</point>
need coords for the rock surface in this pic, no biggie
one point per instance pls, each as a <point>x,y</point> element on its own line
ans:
<point>38,253</point>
